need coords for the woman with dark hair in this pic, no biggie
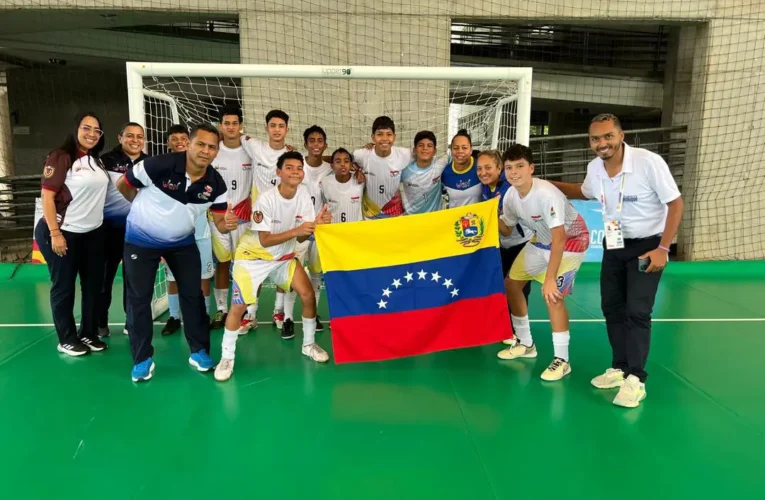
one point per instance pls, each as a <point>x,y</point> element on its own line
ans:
<point>460,177</point>
<point>70,234</point>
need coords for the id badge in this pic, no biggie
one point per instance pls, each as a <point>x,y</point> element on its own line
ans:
<point>614,239</point>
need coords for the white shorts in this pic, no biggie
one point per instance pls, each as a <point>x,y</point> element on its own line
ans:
<point>531,264</point>
<point>307,253</point>
<point>248,275</point>
<point>224,245</point>
<point>205,255</point>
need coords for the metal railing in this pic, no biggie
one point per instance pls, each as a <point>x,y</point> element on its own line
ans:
<point>565,157</point>
<point>17,213</point>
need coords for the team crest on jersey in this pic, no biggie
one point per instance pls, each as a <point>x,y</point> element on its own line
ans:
<point>257,216</point>
<point>48,171</point>
<point>206,194</point>
<point>552,212</point>
<point>469,230</point>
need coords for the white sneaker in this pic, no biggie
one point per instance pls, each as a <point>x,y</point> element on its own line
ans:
<point>611,378</point>
<point>316,353</point>
<point>248,323</point>
<point>518,351</point>
<point>557,370</point>
<point>631,393</point>
<point>224,370</point>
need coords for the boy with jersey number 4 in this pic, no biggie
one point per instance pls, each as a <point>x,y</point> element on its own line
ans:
<point>282,217</point>
<point>382,166</point>
<point>552,257</point>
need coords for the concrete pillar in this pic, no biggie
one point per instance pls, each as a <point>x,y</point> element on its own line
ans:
<point>346,108</point>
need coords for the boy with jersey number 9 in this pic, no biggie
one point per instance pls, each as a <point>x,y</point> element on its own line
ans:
<point>552,257</point>
<point>282,217</point>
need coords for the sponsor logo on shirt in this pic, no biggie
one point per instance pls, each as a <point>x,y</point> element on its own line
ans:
<point>394,173</point>
<point>121,167</point>
<point>170,185</point>
<point>219,167</point>
<point>355,199</point>
<point>630,197</point>
<point>206,194</point>
<point>464,184</point>
<point>536,218</point>
<point>246,166</point>
<point>469,229</point>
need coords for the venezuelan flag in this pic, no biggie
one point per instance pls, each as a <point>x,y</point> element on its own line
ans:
<point>413,285</point>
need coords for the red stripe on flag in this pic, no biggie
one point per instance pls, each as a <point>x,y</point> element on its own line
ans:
<point>466,323</point>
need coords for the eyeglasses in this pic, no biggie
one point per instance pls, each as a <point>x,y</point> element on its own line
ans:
<point>90,130</point>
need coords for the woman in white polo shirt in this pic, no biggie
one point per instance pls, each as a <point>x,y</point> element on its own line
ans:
<point>642,209</point>
<point>70,234</point>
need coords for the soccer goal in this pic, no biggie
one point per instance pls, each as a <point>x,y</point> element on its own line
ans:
<point>493,104</point>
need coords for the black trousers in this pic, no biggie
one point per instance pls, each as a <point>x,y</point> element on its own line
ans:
<point>141,266</point>
<point>627,298</point>
<point>84,257</point>
<point>115,246</point>
<point>508,257</point>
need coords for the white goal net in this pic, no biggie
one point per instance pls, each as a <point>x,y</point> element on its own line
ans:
<point>492,104</point>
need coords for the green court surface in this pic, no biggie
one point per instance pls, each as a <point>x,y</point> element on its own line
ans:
<point>452,425</point>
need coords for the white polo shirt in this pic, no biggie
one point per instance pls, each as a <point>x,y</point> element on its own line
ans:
<point>648,187</point>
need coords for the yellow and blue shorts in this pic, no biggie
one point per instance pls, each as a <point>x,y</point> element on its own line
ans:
<point>531,265</point>
<point>248,275</point>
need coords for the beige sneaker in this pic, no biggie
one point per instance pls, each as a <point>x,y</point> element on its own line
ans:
<point>224,370</point>
<point>557,370</point>
<point>248,323</point>
<point>631,393</point>
<point>611,378</point>
<point>518,351</point>
<point>316,353</point>
<point>511,342</point>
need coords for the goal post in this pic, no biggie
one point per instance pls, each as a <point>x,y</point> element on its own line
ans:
<point>493,104</point>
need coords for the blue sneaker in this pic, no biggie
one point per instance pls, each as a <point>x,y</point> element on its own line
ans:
<point>201,361</point>
<point>143,370</point>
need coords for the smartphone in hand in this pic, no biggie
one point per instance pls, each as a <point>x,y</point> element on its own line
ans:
<point>643,264</point>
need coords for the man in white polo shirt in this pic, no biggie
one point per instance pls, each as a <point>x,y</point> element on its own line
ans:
<point>642,209</point>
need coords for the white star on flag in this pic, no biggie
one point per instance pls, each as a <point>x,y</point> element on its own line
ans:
<point>447,283</point>
<point>408,277</point>
<point>422,275</point>
<point>386,292</point>
<point>381,304</point>
<point>455,292</point>
<point>435,276</point>
<point>396,283</point>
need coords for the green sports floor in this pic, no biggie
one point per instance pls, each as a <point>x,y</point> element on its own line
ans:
<point>453,425</point>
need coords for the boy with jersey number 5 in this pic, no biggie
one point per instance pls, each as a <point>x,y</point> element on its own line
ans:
<point>552,257</point>
<point>282,217</point>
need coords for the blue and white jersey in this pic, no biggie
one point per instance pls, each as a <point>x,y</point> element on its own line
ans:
<point>521,233</point>
<point>421,187</point>
<point>117,163</point>
<point>168,206</point>
<point>462,188</point>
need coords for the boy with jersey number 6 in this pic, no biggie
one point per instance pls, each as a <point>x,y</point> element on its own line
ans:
<point>282,217</point>
<point>342,192</point>
<point>552,257</point>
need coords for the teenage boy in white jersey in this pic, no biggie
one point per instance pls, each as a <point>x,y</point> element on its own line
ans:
<point>314,169</point>
<point>282,216</point>
<point>421,179</point>
<point>342,192</point>
<point>178,141</point>
<point>382,166</point>
<point>552,257</point>
<point>642,210</point>
<point>235,166</point>
<point>264,156</point>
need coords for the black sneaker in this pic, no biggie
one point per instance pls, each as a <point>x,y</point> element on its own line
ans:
<point>319,324</point>
<point>103,331</point>
<point>94,344</point>
<point>219,320</point>
<point>76,349</point>
<point>171,326</point>
<point>288,329</point>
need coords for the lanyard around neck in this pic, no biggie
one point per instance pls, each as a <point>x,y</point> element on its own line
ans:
<point>620,199</point>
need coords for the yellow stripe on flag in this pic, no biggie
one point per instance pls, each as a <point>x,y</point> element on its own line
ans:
<point>411,238</point>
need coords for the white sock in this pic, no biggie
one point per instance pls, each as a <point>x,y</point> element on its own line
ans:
<point>316,282</point>
<point>309,331</point>
<point>289,304</point>
<point>522,329</point>
<point>221,299</point>
<point>279,304</point>
<point>560,344</point>
<point>228,349</point>
<point>252,310</point>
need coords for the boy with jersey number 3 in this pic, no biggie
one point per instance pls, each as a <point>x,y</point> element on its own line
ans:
<point>282,217</point>
<point>552,257</point>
